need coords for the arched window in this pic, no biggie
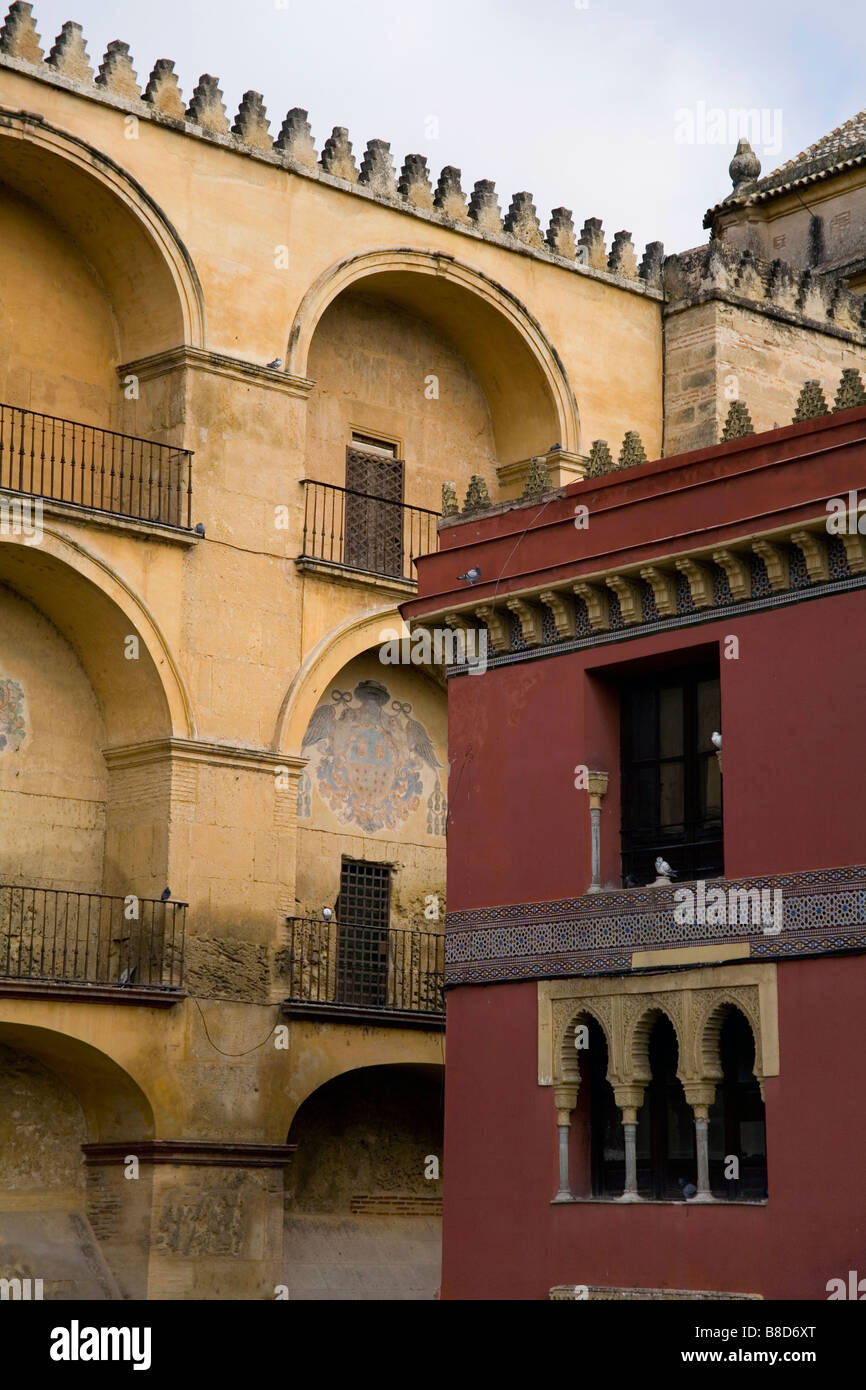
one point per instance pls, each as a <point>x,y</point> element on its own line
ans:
<point>737,1118</point>
<point>665,1122</point>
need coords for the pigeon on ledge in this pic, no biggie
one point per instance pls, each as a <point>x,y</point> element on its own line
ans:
<point>688,1188</point>
<point>165,895</point>
<point>663,868</point>
<point>716,741</point>
<point>471,576</point>
<point>276,364</point>
<point>327,914</point>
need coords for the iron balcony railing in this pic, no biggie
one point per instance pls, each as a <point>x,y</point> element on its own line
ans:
<point>47,456</point>
<point>359,531</point>
<point>51,935</point>
<point>371,968</point>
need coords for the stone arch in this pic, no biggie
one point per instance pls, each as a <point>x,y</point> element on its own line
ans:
<point>321,665</point>
<point>96,609</point>
<point>520,371</point>
<point>709,1031</point>
<point>569,1063</point>
<point>637,1046</point>
<point>122,231</point>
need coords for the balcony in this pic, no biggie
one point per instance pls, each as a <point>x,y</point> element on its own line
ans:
<point>83,466</point>
<point>358,531</point>
<point>90,946</point>
<point>365,973</point>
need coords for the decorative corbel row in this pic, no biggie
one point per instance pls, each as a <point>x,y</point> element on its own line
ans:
<point>563,613</point>
<point>497,627</point>
<point>700,581</point>
<point>814,553</point>
<point>629,597</point>
<point>738,572</point>
<point>664,587</point>
<point>597,605</point>
<point>776,562</point>
<point>529,618</point>
<point>855,547</point>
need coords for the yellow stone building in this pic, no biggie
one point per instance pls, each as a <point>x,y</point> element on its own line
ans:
<point>235,373</point>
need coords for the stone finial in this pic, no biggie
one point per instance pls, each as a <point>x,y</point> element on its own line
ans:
<point>560,234</point>
<point>632,450</point>
<point>69,54</point>
<point>206,108</point>
<point>811,403</point>
<point>484,208</point>
<point>537,479</point>
<point>296,139</point>
<point>600,459</point>
<point>251,123</point>
<point>116,73</point>
<point>592,237</point>
<point>521,221</point>
<point>449,197</point>
<point>337,157</point>
<point>738,422</point>
<point>850,392</point>
<point>744,169</point>
<point>477,496</point>
<point>163,91</point>
<point>18,37</point>
<point>622,260</point>
<point>652,264</point>
<point>377,170</point>
<point>414,182</point>
<point>450,505</point>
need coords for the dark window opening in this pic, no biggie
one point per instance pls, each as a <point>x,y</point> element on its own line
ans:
<point>737,1118</point>
<point>671,780</point>
<point>665,1123</point>
<point>607,1136</point>
<point>363,916</point>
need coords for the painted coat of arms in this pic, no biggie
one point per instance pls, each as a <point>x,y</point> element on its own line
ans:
<point>12,726</point>
<point>371,759</point>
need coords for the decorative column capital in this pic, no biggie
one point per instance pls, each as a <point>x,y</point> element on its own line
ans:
<point>629,1098</point>
<point>565,1099</point>
<point>596,784</point>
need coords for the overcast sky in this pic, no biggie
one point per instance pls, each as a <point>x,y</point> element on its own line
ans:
<point>608,107</point>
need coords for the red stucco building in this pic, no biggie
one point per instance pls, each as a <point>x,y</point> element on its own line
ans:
<point>650,1088</point>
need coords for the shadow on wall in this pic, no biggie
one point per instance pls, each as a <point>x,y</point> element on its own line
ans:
<point>362,1221</point>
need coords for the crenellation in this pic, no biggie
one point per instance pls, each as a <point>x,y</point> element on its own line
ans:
<point>810,403</point>
<point>560,234</point>
<point>337,158</point>
<point>600,459</point>
<point>632,451</point>
<point>206,108</point>
<point>813,296</point>
<point>622,259</point>
<point>592,237</point>
<point>782,287</point>
<point>484,208</point>
<point>163,91</point>
<point>69,55</point>
<point>748,281</point>
<point>18,36</point>
<point>414,182</point>
<point>296,139</point>
<point>252,124</point>
<point>850,392</point>
<point>116,73</point>
<point>651,269</point>
<point>377,169</point>
<point>521,221</point>
<point>449,198</point>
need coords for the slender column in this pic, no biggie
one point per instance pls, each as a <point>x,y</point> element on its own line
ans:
<point>699,1095</point>
<point>629,1099</point>
<point>565,1099</point>
<point>597,786</point>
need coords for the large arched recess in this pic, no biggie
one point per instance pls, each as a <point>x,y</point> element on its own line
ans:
<point>96,611</point>
<point>323,664</point>
<point>146,270</point>
<point>531,402</point>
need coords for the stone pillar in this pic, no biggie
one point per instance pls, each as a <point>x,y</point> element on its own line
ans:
<point>629,1099</point>
<point>700,1095</point>
<point>565,1099</point>
<point>597,787</point>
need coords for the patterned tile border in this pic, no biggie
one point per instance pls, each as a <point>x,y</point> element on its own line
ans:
<point>823,911</point>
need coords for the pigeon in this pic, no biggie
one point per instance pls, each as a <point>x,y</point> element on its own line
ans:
<point>128,975</point>
<point>165,895</point>
<point>276,364</point>
<point>663,868</point>
<point>688,1188</point>
<point>199,528</point>
<point>327,914</point>
<point>471,576</point>
<point>716,741</point>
